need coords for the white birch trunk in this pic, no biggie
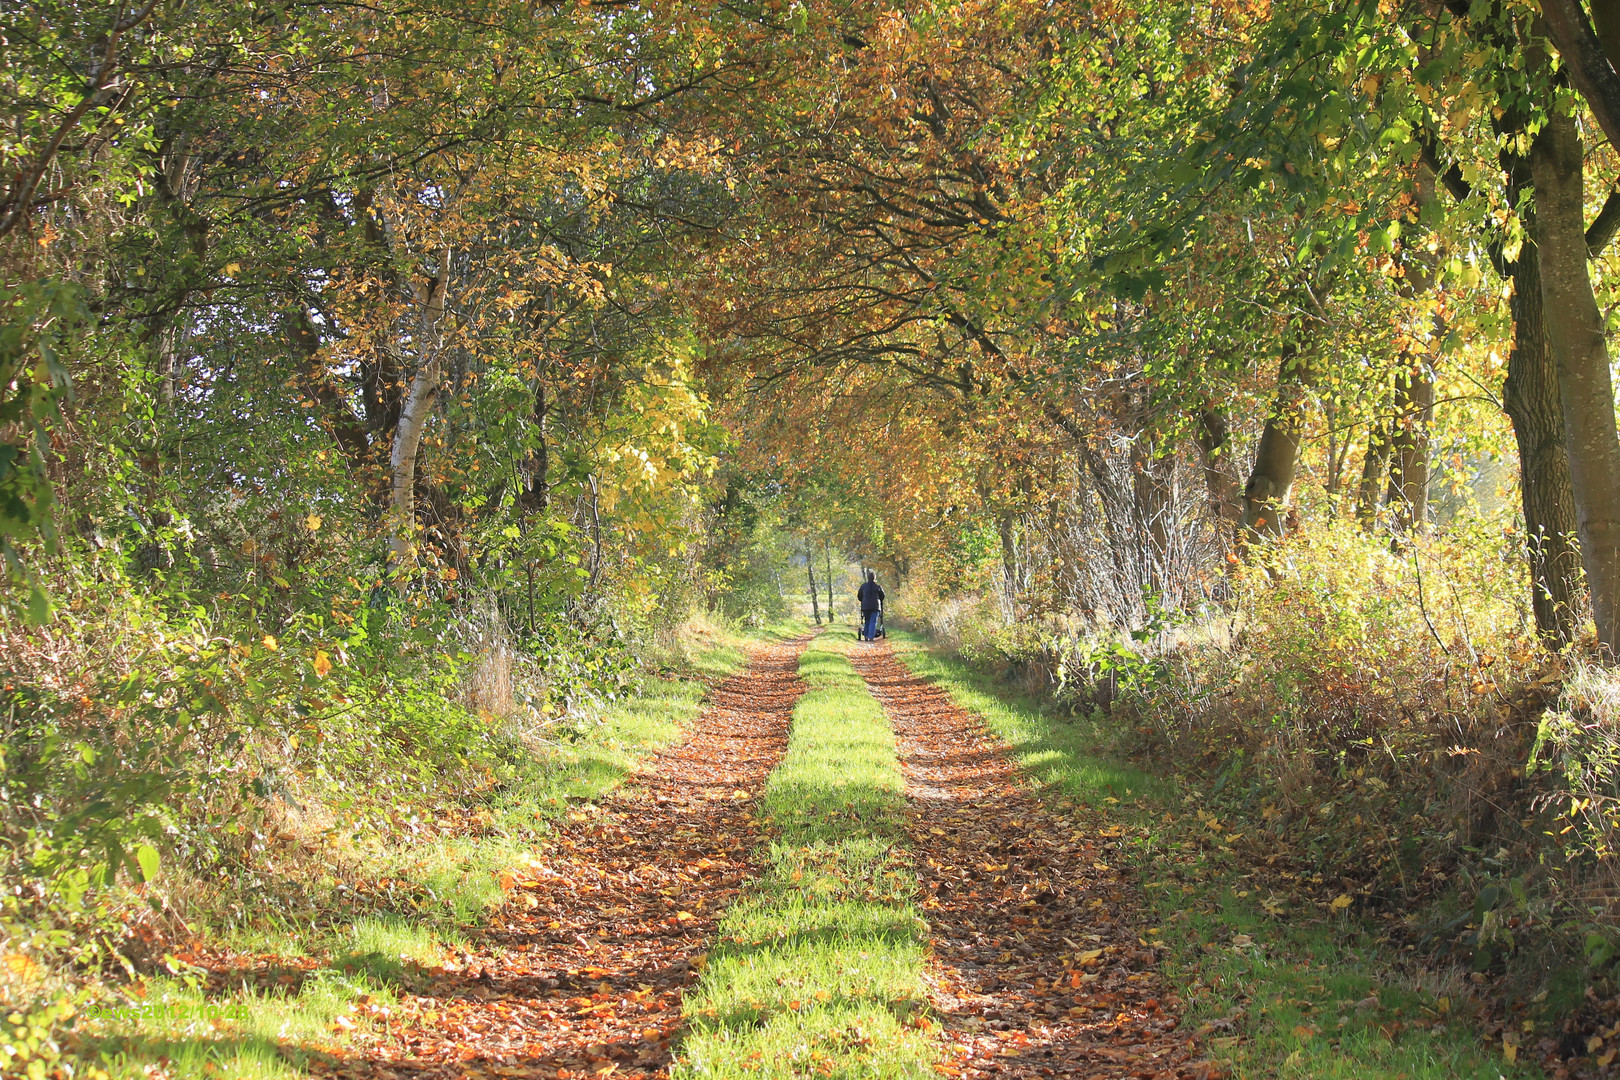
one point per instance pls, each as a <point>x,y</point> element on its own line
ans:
<point>413,417</point>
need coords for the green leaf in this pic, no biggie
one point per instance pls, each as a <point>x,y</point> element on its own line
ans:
<point>1599,950</point>
<point>39,606</point>
<point>146,857</point>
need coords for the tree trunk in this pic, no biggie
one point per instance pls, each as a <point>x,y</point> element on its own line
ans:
<point>413,417</point>
<point>1110,502</point>
<point>1410,432</point>
<point>536,494</point>
<point>815,591</point>
<point>1575,330</point>
<point>1150,505</point>
<point>419,401</point>
<point>1266,493</point>
<point>827,551</point>
<point>1372,474</point>
<point>1009,562</point>
<point>1409,447</point>
<point>1214,434</point>
<point>1530,397</point>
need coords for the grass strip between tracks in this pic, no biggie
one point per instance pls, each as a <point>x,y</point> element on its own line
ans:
<point>818,970</point>
<point>1275,988</point>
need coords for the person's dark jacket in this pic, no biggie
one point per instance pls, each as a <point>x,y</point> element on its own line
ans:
<point>870,596</point>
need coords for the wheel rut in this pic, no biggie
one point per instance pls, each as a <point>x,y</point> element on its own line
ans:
<point>1040,966</point>
<point>583,971</point>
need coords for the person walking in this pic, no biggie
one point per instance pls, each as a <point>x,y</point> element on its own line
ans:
<point>871,598</point>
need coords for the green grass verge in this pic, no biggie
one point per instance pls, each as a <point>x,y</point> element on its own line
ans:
<point>1284,993</point>
<point>817,971</point>
<point>452,885</point>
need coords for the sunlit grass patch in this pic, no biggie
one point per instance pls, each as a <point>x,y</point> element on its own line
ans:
<point>818,970</point>
<point>1276,989</point>
<point>252,1033</point>
<point>389,950</point>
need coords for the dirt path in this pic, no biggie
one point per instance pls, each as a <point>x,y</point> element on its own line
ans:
<point>1040,968</point>
<point>583,972</point>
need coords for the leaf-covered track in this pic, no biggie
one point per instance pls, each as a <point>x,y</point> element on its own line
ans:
<point>1040,966</point>
<point>583,972</point>
<point>818,970</point>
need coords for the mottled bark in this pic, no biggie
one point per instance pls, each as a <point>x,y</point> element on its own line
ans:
<point>1410,433</point>
<point>1006,528</point>
<point>417,407</point>
<point>1586,394</point>
<point>536,493</point>
<point>1265,496</point>
<point>1373,465</point>
<point>1530,397</point>
<point>1150,506</point>
<point>1220,485</point>
<point>815,590</point>
<point>826,550</point>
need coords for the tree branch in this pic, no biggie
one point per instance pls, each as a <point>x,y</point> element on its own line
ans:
<point>1604,226</point>
<point>1589,67</point>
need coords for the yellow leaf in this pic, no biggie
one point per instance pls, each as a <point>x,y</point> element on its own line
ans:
<point>21,965</point>
<point>1341,902</point>
<point>270,643</point>
<point>322,663</point>
<point>1510,1051</point>
<point>233,268</point>
<point>684,916</point>
<point>313,521</point>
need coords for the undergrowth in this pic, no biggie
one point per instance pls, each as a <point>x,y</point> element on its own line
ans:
<point>1382,717</point>
<point>400,800</point>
